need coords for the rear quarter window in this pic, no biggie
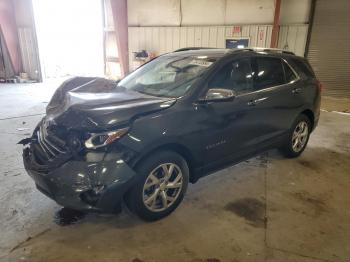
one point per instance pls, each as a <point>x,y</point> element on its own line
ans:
<point>288,72</point>
<point>303,67</point>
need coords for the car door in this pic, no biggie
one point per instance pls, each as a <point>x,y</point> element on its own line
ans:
<point>278,96</point>
<point>229,128</point>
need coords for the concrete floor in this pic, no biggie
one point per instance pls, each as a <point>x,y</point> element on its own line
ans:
<point>265,209</point>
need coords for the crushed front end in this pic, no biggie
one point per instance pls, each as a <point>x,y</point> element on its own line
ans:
<point>74,154</point>
<point>88,180</point>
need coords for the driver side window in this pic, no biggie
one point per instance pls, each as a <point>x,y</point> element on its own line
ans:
<point>235,75</point>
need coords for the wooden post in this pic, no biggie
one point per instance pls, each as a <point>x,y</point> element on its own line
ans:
<point>276,23</point>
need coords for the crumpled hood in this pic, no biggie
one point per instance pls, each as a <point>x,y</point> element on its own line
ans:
<point>98,104</point>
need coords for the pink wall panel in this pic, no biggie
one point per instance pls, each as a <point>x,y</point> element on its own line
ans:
<point>9,30</point>
<point>120,17</point>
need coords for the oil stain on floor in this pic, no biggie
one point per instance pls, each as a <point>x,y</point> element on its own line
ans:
<point>310,165</point>
<point>66,216</point>
<point>315,205</point>
<point>205,260</point>
<point>251,209</point>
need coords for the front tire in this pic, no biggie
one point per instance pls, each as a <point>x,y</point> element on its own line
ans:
<point>298,137</point>
<point>161,186</point>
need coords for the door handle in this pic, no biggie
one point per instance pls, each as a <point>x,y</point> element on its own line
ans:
<point>256,101</point>
<point>296,90</point>
<point>251,103</point>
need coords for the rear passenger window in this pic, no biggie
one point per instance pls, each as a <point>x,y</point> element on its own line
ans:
<point>268,72</point>
<point>289,74</point>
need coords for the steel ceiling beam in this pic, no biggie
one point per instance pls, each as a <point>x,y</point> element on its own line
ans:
<point>120,18</point>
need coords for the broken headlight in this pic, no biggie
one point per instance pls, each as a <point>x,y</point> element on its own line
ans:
<point>103,139</point>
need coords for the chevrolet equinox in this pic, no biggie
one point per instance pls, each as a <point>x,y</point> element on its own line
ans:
<point>177,118</point>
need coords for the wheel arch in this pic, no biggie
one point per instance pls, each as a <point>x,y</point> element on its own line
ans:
<point>175,147</point>
<point>310,115</point>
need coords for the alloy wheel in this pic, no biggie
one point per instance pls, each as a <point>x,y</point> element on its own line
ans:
<point>300,136</point>
<point>162,187</point>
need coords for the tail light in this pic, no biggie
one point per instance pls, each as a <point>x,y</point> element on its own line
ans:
<point>320,86</point>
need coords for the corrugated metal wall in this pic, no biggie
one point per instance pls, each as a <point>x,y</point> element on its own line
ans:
<point>29,54</point>
<point>293,38</point>
<point>6,68</point>
<point>329,52</point>
<point>214,12</point>
<point>161,40</point>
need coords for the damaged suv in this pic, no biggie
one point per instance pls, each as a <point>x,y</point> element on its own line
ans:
<point>178,117</point>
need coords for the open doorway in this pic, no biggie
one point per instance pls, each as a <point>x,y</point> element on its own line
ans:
<point>70,37</point>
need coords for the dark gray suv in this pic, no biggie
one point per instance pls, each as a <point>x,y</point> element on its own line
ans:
<point>179,117</point>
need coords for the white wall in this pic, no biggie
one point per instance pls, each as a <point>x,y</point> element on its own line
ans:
<point>154,12</point>
<point>160,40</point>
<point>295,11</point>
<point>293,38</point>
<point>249,11</point>
<point>166,25</point>
<point>214,12</point>
<point>203,12</point>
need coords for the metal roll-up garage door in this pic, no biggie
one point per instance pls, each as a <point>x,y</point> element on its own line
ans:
<point>329,47</point>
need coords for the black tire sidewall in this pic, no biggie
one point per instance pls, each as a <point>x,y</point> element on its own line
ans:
<point>134,198</point>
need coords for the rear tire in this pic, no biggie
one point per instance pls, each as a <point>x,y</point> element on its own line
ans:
<point>298,137</point>
<point>161,186</point>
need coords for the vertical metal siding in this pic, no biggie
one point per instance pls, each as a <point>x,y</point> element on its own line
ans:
<point>161,40</point>
<point>293,38</point>
<point>29,54</point>
<point>6,68</point>
<point>329,52</point>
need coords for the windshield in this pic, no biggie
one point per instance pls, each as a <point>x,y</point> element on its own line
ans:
<point>168,76</point>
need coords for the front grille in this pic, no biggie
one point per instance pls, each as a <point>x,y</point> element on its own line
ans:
<point>49,146</point>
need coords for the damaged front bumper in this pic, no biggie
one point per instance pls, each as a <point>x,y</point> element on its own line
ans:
<point>97,183</point>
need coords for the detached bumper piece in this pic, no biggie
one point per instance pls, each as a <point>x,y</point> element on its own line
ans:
<point>76,183</point>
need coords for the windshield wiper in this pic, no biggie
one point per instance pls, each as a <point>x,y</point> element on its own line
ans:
<point>121,88</point>
<point>156,95</point>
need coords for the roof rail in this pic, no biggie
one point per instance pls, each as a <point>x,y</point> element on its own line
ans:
<point>265,49</point>
<point>192,48</point>
<point>255,49</point>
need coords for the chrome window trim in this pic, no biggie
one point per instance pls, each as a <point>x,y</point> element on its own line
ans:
<point>278,86</point>
<point>270,87</point>
<point>291,68</point>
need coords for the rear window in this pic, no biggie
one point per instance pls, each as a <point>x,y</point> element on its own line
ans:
<point>304,68</point>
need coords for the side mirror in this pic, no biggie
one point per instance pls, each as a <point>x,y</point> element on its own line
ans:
<point>218,95</point>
